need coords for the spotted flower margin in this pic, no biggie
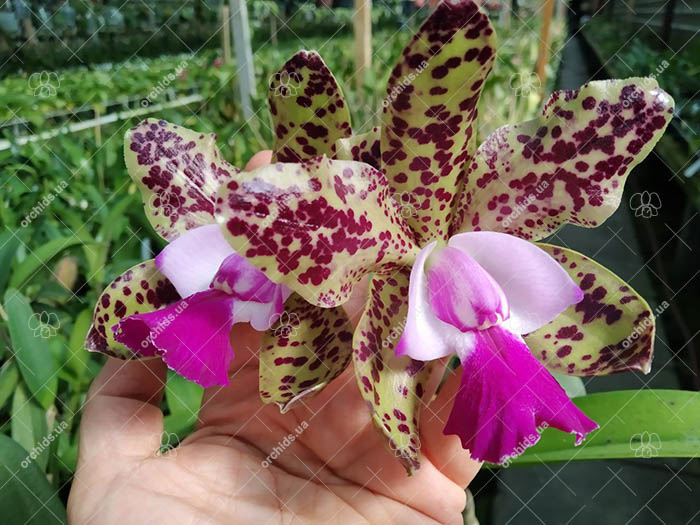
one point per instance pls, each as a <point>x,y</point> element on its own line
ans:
<point>447,232</point>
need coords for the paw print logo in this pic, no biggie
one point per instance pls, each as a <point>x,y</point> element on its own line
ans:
<point>44,84</point>
<point>524,83</point>
<point>287,84</point>
<point>645,445</point>
<point>403,200</point>
<point>44,324</point>
<point>645,204</point>
<point>401,442</point>
<point>287,324</point>
<point>163,203</point>
<point>168,445</point>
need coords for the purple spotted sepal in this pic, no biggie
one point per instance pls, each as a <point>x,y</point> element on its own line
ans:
<point>569,165</point>
<point>308,109</point>
<point>610,330</point>
<point>142,288</point>
<point>305,348</point>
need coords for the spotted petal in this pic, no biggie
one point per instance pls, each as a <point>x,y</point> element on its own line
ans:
<point>178,172</point>
<point>392,386</point>
<point>568,165</point>
<point>365,147</point>
<point>304,350</point>
<point>316,227</point>
<point>140,289</point>
<point>610,330</point>
<point>308,109</point>
<point>427,134</point>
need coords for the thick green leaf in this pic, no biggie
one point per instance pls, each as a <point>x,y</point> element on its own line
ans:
<point>26,497</point>
<point>142,288</point>
<point>633,423</point>
<point>304,350</point>
<point>29,333</point>
<point>610,330</point>
<point>40,257</point>
<point>308,109</point>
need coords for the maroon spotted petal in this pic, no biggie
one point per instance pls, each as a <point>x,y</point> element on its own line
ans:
<point>178,172</point>
<point>316,227</point>
<point>304,350</point>
<point>365,147</point>
<point>427,124</point>
<point>140,289</point>
<point>568,165</point>
<point>308,109</point>
<point>610,330</point>
<point>393,386</point>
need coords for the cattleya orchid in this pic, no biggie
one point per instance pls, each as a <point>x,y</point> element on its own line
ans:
<point>461,273</point>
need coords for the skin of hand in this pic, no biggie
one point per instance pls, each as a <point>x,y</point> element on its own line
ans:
<point>337,470</point>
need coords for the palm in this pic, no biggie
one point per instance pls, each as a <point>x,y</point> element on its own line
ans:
<point>337,467</point>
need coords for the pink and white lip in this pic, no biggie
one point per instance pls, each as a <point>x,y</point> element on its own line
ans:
<point>476,297</point>
<point>219,288</point>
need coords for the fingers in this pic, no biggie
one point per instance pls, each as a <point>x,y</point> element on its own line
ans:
<point>446,452</point>
<point>121,415</point>
<point>261,158</point>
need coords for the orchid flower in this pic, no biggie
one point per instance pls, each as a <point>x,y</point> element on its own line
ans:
<point>182,305</point>
<point>448,233</point>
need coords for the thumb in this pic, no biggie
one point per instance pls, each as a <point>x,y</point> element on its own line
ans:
<point>121,416</point>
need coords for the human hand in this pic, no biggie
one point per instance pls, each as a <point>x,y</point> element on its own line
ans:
<point>336,469</point>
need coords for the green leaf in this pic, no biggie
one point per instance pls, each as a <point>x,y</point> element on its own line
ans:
<point>78,358</point>
<point>39,257</point>
<point>8,248</point>
<point>26,497</point>
<point>28,332</point>
<point>9,377</point>
<point>633,423</point>
<point>29,425</point>
<point>184,400</point>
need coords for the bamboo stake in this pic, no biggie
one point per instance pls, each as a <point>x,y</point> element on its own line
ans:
<point>362,24</point>
<point>543,54</point>
<point>226,33</point>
